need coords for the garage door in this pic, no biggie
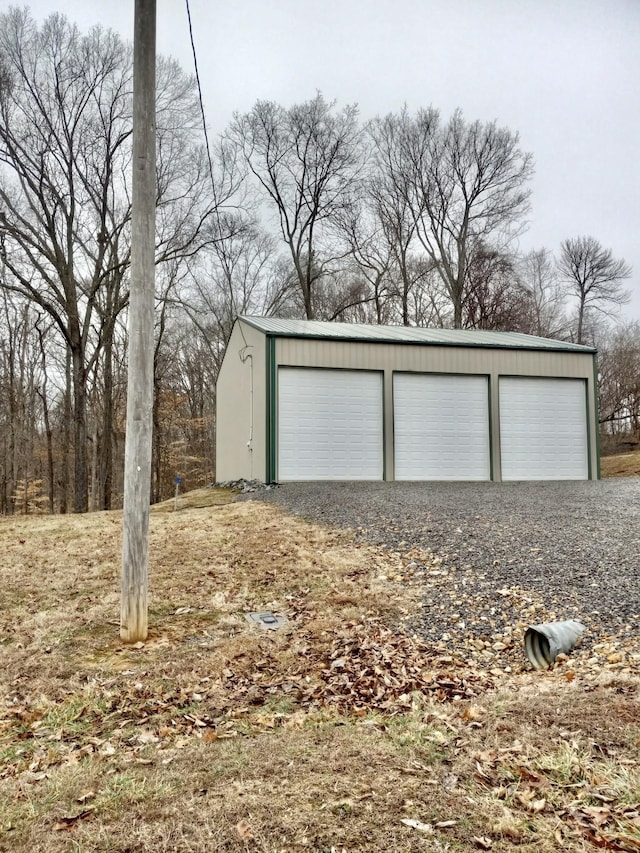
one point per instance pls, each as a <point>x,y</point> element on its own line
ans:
<point>441,427</point>
<point>543,429</point>
<point>329,424</point>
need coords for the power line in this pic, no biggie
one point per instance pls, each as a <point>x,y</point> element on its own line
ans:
<point>204,120</point>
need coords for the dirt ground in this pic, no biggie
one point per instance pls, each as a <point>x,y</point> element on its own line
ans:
<point>337,732</point>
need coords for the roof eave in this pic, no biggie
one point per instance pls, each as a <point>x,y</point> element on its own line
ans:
<point>578,349</point>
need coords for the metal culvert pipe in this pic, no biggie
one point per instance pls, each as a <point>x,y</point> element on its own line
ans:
<point>543,643</point>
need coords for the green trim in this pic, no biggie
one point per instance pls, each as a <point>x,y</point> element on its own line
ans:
<point>589,429</point>
<point>490,402</point>
<point>384,424</point>
<point>596,417</point>
<point>271,413</point>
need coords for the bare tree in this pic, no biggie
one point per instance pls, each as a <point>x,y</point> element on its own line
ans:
<point>20,410</point>
<point>594,278</point>
<point>52,142</point>
<point>619,375</point>
<point>494,297</point>
<point>371,258</point>
<point>304,161</point>
<point>42,391</point>
<point>387,193</point>
<point>65,150</point>
<point>235,275</point>
<point>462,182</point>
<point>546,300</point>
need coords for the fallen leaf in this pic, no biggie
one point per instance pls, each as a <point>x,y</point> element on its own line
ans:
<point>530,801</point>
<point>507,826</point>
<point>146,737</point>
<point>68,821</point>
<point>346,804</point>
<point>486,756</point>
<point>86,796</point>
<point>417,824</point>
<point>445,824</point>
<point>295,721</point>
<point>528,774</point>
<point>480,770</point>
<point>483,842</point>
<point>245,833</point>
<point>471,712</point>
<point>598,815</point>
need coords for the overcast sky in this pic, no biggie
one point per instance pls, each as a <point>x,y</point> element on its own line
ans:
<point>564,73</point>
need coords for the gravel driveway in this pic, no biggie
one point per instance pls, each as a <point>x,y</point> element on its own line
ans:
<point>553,550</point>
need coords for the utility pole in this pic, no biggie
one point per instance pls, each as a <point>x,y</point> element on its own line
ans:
<point>137,463</point>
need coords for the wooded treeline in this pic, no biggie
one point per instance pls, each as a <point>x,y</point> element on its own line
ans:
<point>304,211</point>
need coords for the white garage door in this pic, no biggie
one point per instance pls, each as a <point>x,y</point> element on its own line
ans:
<point>543,429</point>
<point>329,424</point>
<point>441,427</point>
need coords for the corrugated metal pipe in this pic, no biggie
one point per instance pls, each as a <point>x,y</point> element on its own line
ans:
<point>543,643</point>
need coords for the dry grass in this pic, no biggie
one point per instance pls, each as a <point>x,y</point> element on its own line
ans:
<point>621,465</point>
<point>216,736</point>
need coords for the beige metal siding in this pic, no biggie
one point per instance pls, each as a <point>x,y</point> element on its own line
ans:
<point>240,426</point>
<point>436,359</point>
<point>444,359</point>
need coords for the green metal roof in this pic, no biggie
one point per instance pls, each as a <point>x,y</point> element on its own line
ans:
<point>407,335</point>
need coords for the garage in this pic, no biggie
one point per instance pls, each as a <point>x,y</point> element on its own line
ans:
<point>330,424</point>
<point>314,400</point>
<point>441,427</point>
<point>543,429</point>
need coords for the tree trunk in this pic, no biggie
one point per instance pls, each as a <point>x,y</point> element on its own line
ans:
<point>405,300</point>
<point>580,321</point>
<point>308,306</point>
<point>4,496</point>
<point>156,481</point>
<point>4,485</point>
<point>81,468</point>
<point>106,457</point>
<point>50,468</point>
<point>95,452</point>
<point>66,440</point>
<point>47,420</point>
<point>12,454</point>
<point>457,314</point>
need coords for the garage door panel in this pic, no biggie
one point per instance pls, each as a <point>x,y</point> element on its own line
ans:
<point>441,427</point>
<point>543,429</point>
<point>329,424</point>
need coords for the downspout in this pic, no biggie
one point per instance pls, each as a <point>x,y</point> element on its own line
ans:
<point>271,422</point>
<point>244,357</point>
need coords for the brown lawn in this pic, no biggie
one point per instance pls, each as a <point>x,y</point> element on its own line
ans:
<point>336,732</point>
<point>621,465</point>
